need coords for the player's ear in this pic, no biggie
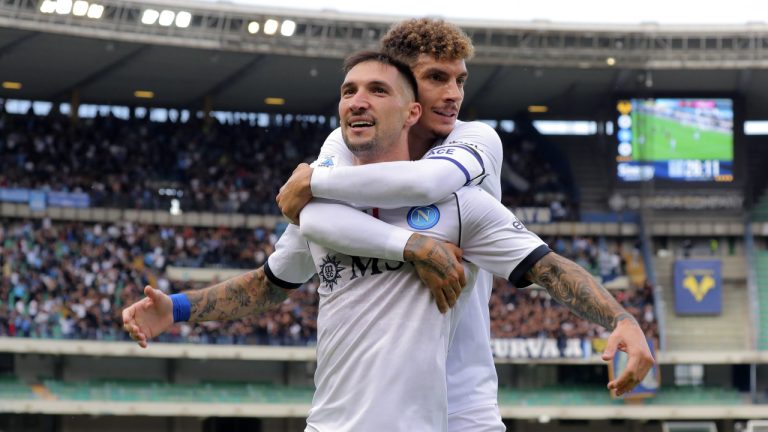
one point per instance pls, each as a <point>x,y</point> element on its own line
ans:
<point>414,113</point>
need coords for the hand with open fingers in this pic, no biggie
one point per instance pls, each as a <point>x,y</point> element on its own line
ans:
<point>441,270</point>
<point>148,317</point>
<point>629,337</point>
<point>295,193</point>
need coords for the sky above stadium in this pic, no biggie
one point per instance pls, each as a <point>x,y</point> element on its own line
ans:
<point>581,11</point>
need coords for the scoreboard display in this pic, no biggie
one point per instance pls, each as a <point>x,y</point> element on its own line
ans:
<point>679,139</point>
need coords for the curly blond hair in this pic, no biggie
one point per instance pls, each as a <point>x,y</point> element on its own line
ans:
<point>408,39</point>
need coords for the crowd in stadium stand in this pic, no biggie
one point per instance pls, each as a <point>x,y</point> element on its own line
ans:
<point>71,279</point>
<point>140,164</point>
<point>532,313</point>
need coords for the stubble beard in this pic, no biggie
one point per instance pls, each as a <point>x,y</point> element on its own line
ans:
<point>364,150</point>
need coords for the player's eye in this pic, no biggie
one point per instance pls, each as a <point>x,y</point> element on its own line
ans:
<point>437,77</point>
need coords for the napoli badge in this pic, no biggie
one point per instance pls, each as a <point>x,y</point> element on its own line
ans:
<point>423,217</point>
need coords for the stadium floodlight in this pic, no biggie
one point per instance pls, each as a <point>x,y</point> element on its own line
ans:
<point>288,28</point>
<point>11,85</point>
<point>95,11</point>
<point>48,7</point>
<point>274,101</point>
<point>150,16</point>
<point>63,7</point>
<point>253,27</point>
<point>80,8</point>
<point>270,27</point>
<point>166,18</point>
<point>183,19</point>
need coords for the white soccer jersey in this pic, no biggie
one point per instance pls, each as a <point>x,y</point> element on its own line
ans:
<point>470,370</point>
<point>382,343</point>
<point>471,373</point>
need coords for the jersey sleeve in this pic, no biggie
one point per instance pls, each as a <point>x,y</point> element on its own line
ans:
<point>291,264</point>
<point>494,239</point>
<point>351,231</point>
<point>474,148</point>
<point>472,152</point>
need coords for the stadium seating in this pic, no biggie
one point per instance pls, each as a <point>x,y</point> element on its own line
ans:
<point>762,289</point>
<point>70,280</point>
<point>255,393</point>
<point>223,168</point>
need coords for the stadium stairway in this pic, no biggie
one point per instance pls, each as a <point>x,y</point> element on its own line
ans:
<point>727,331</point>
<point>589,172</point>
<point>761,265</point>
<point>760,211</point>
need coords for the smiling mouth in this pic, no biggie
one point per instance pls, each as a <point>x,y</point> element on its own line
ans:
<point>446,114</point>
<point>360,124</point>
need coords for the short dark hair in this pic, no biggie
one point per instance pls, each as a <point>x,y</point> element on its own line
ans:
<point>380,57</point>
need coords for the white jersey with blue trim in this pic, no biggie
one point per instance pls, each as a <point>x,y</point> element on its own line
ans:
<point>382,343</point>
<point>471,373</point>
<point>475,149</point>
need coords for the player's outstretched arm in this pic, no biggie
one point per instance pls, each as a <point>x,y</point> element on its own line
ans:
<point>235,298</point>
<point>574,287</point>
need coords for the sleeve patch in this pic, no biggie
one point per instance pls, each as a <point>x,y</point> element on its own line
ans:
<point>326,161</point>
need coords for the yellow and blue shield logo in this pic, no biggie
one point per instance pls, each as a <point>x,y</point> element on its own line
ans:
<point>698,287</point>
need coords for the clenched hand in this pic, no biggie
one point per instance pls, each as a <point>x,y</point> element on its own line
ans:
<point>295,193</point>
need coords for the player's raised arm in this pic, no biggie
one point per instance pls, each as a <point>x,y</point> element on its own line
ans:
<point>472,152</point>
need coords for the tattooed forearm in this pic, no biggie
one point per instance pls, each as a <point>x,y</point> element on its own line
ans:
<point>571,285</point>
<point>432,255</point>
<point>416,248</point>
<point>235,298</point>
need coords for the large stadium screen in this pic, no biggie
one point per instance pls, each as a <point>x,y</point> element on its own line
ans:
<point>682,139</point>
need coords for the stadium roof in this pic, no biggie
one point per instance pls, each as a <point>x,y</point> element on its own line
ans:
<point>562,67</point>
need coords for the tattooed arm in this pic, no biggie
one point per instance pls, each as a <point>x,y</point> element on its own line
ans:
<point>235,298</point>
<point>439,267</point>
<point>571,285</point>
<point>574,287</point>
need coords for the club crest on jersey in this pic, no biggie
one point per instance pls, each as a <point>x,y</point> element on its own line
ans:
<point>423,217</point>
<point>330,271</point>
<point>327,161</point>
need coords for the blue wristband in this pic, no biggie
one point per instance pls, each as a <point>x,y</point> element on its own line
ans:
<point>181,307</point>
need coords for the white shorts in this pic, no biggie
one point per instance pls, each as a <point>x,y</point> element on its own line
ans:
<point>485,418</point>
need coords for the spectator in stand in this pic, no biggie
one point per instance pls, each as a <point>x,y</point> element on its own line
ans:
<point>225,167</point>
<point>70,279</point>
